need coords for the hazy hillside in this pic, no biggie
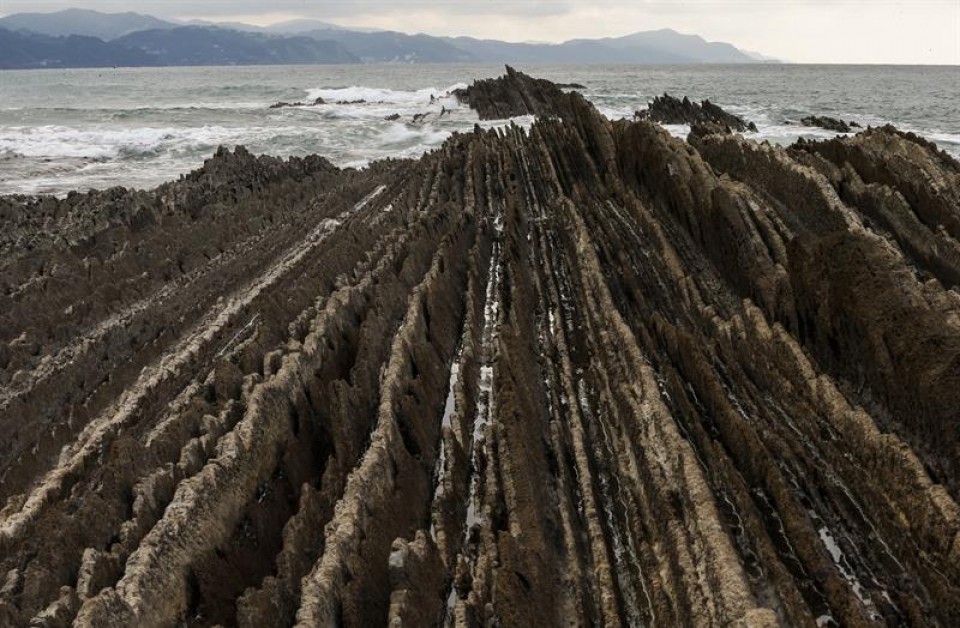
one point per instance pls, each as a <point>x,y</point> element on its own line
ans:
<point>663,46</point>
<point>147,40</point>
<point>576,51</point>
<point>298,27</point>
<point>191,45</point>
<point>692,47</point>
<point>394,47</point>
<point>196,45</point>
<point>105,26</point>
<point>23,50</point>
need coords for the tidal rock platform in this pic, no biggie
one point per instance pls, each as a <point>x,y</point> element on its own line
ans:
<point>584,373</point>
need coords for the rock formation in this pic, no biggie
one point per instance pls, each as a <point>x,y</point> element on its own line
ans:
<point>583,373</point>
<point>516,94</point>
<point>830,124</point>
<point>668,109</point>
<point>283,104</point>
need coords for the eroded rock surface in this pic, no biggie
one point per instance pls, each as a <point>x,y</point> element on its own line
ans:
<point>283,104</point>
<point>830,124</point>
<point>515,94</point>
<point>585,373</point>
<point>668,109</point>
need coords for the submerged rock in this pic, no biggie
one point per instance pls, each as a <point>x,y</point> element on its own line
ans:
<point>582,373</point>
<point>667,109</point>
<point>828,123</point>
<point>283,104</point>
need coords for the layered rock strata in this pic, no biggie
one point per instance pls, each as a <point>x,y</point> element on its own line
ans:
<point>668,109</point>
<point>516,94</point>
<point>830,124</point>
<point>585,373</point>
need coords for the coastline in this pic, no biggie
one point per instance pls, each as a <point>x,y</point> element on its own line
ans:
<point>76,130</point>
<point>687,381</point>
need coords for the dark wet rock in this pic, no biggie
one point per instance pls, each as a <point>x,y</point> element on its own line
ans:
<point>702,129</point>
<point>907,188</point>
<point>284,104</point>
<point>828,123</point>
<point>927,177</point>
<point>417,580</point>
<point>393,117</point>
<point>571,86</point>
<point>515,94</point>
<point>584,373</point>
<point>668,109</point>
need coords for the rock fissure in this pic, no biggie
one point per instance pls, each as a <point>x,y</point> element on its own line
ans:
<point>582,373</point>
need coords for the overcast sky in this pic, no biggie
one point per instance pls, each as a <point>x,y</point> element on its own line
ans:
<point>810,31</point>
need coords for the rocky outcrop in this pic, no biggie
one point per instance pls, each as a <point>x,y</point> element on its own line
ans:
<point>830,124</point>
<point>284,104</point>
<point>905,187</point>
<point>668,109</point>
<point>515,94</point>
<point>583,373</point>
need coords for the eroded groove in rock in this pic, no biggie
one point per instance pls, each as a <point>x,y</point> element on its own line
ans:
<point>349,580</point>
<point>888,203</point>
<point>871,292</point>
<point>281,413</point>
<point>91,334</point>
<point>581,373</point>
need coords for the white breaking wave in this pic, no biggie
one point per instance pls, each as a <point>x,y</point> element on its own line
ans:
<point>403,135</point>
<point>142,139</point>
<point>377,95</point>
<point>67,142</point>
<point>217,106</point>
<point>616,113</point>
<point>947,141</point>
<point>680,131</point>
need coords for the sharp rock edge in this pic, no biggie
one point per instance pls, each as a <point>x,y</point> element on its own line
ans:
<point>584,373</point>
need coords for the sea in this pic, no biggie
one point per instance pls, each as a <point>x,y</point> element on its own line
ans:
<point>66,130</point>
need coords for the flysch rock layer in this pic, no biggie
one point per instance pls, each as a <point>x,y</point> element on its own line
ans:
<point>669,109</point>
<point>581,374</point>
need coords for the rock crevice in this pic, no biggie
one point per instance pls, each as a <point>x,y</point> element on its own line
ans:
<point>584,372</point>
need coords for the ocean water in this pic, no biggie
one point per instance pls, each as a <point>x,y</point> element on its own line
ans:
<point>63,130</point>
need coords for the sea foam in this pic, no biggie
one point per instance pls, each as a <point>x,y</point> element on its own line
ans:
<point>377,95</point>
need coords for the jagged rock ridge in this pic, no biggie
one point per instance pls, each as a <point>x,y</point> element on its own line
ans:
<point>830,124</point>
<point>516,94</point>
<point>668,109</point>
<point>584,373</point>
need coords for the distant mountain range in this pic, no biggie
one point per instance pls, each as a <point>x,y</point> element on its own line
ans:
<point>105,26</point>
<point>83,38</point>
